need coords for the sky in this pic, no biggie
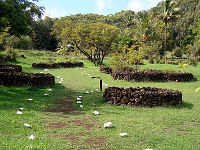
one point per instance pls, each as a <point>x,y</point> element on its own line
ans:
<point>61,8</point>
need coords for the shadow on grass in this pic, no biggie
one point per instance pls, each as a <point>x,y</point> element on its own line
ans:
<point>185,105</point>
<point>12,98</point>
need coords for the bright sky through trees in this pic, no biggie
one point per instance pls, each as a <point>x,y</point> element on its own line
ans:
<point>60,8</point>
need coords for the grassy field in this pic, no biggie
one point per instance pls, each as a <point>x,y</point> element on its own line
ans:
<point>56,127</point>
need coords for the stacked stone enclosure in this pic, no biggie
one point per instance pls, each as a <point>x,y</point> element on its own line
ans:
<point>106,69</point>
<point>129,74</point>
<point>26,79</point>
<point>58,65</point>
<point>151,75</point>
<point>11,75</point>
<point>142,97</point>
<point>10,68</point>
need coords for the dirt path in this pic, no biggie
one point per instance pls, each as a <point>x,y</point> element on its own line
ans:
<point>73,125</point>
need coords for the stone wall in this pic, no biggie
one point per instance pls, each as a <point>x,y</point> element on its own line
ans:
<point>26,79</point>
<point>10,68</point>
<point>58,65</point>
<point>145,97</point>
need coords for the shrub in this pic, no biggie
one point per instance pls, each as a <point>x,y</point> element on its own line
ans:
<point>177,52</point>
<point>151,61</point>
<point>25,43</point>
<point>11,54</point>
<point>192,61</point>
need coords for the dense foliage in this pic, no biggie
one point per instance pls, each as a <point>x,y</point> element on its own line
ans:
<point>170,26</point>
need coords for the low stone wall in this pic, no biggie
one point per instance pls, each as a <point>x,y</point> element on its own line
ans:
<point>10,68</point>
<point>143,97</point>
<point>58,65</point>
<point>26,79</point>
<point>151,75</point>
<point>105,69</point>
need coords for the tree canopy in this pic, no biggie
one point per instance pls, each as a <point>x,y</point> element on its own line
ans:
<point>17,15</point>
<point>94,40</point>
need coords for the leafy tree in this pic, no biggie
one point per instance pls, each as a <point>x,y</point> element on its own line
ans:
<point>128,55</point>
<point>94,40</point>
<point>17,15</point>
<point>41,34</point>
<point>170,14</point>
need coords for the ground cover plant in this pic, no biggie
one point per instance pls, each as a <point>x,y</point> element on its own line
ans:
<point>58,122</point>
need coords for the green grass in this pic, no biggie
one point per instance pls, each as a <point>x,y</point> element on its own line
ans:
<point>163,128</point>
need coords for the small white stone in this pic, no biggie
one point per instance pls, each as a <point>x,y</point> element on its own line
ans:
<point>27,125</point>
<point>45,70</point>
<point>96,89</point>
<point>108,125</point>
<point>123,134</point>
<point>21,109</point>
<point>49,90</point>
<point>61,79</point>
<point>41,72</point>
<point>58,77</point>
<point>78,102</point>
<point>87,92</point>
<point>81,106</point>
<point>30,99</point>
<point>45,94</point>
<point>60,82</point>
<point>78,98</point>
<point>92,91</point>
<point>96,112</point>
<point>106,84</point>
<point>19,112</point>
<point>31,137</point>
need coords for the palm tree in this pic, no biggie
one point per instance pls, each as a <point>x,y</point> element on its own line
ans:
<point>170,15</point>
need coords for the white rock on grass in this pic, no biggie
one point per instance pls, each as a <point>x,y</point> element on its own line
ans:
<point>96,112</point>
<point>61,79</point>
<point>41,72</point>
<point>45,94</point>
<point>19,112</point>
<point>79,102</point>
<point>21,109</point>
<point>78,99</point>
<point>60,82</point>
<point>81,106</point>
<point>31,137</point>
<point>58,77</point>
<point>108,125</point>
<point>123,134</point>
<point>30,99</point>
<point>80,96</point>
<point>49,90</point>
<point>45,70</point>
<point>27,125</point>
<point>106,84</point>
<point>87,92</point>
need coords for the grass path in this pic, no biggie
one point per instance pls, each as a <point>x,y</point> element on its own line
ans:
<point>58,125</point>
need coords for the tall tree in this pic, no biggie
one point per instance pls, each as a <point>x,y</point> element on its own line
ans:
<point>17,15</point>
<point>170,14</point>
<point>94,40</point>
<point>41,34</point>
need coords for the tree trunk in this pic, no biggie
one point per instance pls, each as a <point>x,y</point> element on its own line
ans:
<point>84,52</point>
<point>165,40</point>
